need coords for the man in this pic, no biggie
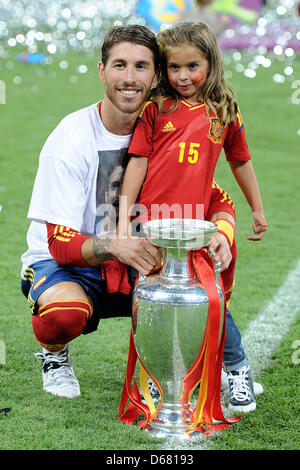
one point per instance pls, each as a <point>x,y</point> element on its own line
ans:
<point>76,270</point>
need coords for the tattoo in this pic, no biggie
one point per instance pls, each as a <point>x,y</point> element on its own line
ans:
<point>101,249</point>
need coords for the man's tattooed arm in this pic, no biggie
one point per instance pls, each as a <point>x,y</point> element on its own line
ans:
<point>101,249</point>
<point>134,251</point>
<point>96,250</point>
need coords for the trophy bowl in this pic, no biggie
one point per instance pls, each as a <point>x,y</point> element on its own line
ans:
<point>189,234</point>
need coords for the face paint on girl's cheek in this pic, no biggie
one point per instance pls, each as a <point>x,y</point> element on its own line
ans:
<point>199,78</point>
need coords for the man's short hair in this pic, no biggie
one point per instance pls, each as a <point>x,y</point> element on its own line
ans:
<point>135,34</point>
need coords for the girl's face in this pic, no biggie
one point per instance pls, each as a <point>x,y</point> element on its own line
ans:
<point>187,69</point>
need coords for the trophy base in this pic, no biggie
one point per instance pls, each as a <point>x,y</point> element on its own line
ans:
<point>172,434</point>
<point>172,424</point>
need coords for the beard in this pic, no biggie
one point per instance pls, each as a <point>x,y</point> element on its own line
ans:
<point>123,104</point>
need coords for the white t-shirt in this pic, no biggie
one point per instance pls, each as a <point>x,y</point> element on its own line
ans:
<point>78,181</point>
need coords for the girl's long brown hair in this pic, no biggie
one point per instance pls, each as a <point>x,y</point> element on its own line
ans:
<point>216,93</point>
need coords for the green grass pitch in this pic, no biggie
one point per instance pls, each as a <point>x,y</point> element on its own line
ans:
<point>37,97</point>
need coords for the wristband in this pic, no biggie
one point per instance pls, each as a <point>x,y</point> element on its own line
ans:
<point>226,228</point>
<point>65,245</point>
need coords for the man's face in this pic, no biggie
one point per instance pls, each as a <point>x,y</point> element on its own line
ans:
<point>128,76</point>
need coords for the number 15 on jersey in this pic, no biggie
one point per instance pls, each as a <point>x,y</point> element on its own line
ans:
<point>188,152</point>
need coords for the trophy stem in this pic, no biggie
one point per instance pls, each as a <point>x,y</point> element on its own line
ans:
<point>175,264</point>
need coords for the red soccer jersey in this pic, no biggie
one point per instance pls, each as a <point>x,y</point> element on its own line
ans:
<point>183,148</point>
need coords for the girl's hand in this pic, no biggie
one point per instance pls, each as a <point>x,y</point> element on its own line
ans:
<point>259,226</point>
<point>220,250</point>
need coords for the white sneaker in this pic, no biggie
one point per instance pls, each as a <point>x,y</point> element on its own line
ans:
<point>224,381</point>
<point>241,390</point>
<point>257,387</point>
<point>58,374</point>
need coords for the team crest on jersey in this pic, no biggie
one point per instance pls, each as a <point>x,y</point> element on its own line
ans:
<point>215,132</point>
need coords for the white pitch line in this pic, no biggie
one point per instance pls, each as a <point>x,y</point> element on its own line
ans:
<point>265,333</point>
<point>263,336</point>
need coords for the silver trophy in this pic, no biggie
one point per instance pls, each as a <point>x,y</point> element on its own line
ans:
<point>169,318</point>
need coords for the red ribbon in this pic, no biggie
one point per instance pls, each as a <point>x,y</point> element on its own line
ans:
<point>206,369</point>
<point>135,406</point>
<point>208,365</point>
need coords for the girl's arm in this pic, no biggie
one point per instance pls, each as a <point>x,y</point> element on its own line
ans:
<point>133,179</point>
<point>246,179</point>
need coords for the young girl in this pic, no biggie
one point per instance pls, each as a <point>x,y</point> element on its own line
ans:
<point>180,133</point>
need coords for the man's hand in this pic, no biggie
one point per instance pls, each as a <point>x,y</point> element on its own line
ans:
<point>220,250</point>
<point>136,252</point>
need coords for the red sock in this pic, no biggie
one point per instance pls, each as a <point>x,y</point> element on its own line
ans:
<point>57,323</point>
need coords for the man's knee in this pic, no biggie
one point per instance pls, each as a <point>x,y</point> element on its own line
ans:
<point>57,323</point>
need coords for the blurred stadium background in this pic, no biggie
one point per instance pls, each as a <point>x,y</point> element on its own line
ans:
<point>53,27</point>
